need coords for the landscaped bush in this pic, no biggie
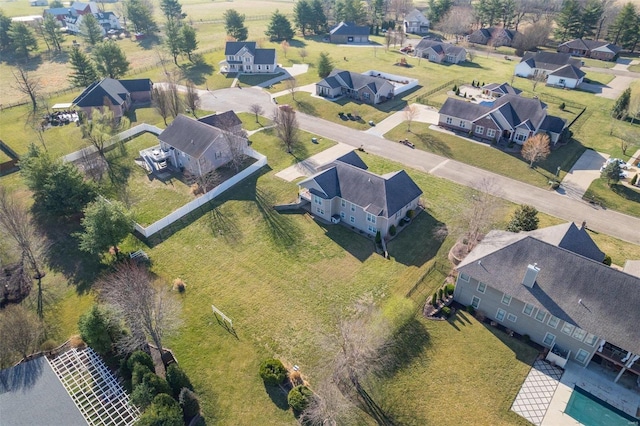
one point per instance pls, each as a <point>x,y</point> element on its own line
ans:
<point>162,411</point>
<point>299,398</point>
<point>392,230</point>
<point>562,106</point>
<point>177,379</point>
<point>526,338</point>
<point>471,310</point>
<point>411,214</point>
<point>634,179</point>
<point>434,299</point>
<point>440,294</point>
<point>142,396</point>
<point>273,372</point>
<point>446,311</point>
<point>48,344</point>
<point>449,288</point>
<point>156,383</point>
<point>189,403</point>
<point>378,238</point>
<point>138,373</point>
<point>607,260</point>
<point>179,285</point>
<point>140,357</point>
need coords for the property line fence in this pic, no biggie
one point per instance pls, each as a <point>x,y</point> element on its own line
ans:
<point>424,97</point>
<point>198,202</point>
<point>420,290</point>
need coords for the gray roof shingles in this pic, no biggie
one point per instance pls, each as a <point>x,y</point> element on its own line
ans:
<point>93,96</point>
<point>189,136</point>
<point>447,48</point>
<point>569,71</point>
<point>350,29</point>
<point>354,80</point>
<point>549,60</point>
<point>233,47</point>
<point>224,120</point>
<point>609,297</point>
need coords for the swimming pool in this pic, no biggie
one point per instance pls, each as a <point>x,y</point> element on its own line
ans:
<point>487,103</point>
<point>592,411</point>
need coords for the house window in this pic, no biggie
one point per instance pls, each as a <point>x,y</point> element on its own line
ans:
<point>267,67</point>
<point>591,339</point>
<point>342,215</point>
<point>568,328</point>
<point>475,302</point>
<point>317,200</point>
<point>512,317</point>
<point>319,210</point>
<point>367,96</point>
<point>372,229</point>
<point>247,60</point>
<point>479,130</point>
<point>562,81</point>
<point>259,67</point>
<point>520,137</point>
<point>491,133</point>
<point>462,124</point>
<point>343,203</point>
<point>528,309</point>
<point>500,314</point>
<point>581,356</point>
<point>553,321</point>
<point>352,219</point>
<point>371,218</point>
<point>549,339</point>
<point>579,334</point>
<point>449,120</point>
<point>506,299</point>
<point>541,315</point>
<point>481,287</point>
<point>353,207</point>
<point>464,277</point>
<point>451,58</point>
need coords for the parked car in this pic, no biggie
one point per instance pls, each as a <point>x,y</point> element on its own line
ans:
<point>407,143</point>
<point>621,163</point>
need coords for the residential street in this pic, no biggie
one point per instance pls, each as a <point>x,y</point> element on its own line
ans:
<point>598,219</point>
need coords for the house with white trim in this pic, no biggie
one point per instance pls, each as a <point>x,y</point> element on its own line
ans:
<point>415,23</point>
<point>245,57</point>
<point>557,69</point>
<point>365,88</point>
<point>439,52</point>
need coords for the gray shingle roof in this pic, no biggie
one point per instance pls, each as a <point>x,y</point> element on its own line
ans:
<point>585,44</point>
<point>570,237</point>
<point>349,28</point>
<point>233,47</point>
<point>463,109</point>
<point>518,109</point>
<point>416,16</point>
<point>610,298</point>
<point>504,88</point>
<point>330,82</point>
<point>549,60</point>
<point>93,96</point>
<point>355,81</point>
<point>190,136</point>
<point>224,120</point>
<point>552,124</point>
<point>137,85</point>
<point>569,71</point>
<point>264,56</point>
<point>32,394</point>
<point>448,48</point>
<point>378,195</point>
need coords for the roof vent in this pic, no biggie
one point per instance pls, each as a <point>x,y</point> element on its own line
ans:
<point>530,275</point>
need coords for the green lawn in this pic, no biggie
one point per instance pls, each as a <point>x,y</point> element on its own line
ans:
<point>618,197</point>
<point>595,63</point>
<point>598,78</point>
<point>634,68</point>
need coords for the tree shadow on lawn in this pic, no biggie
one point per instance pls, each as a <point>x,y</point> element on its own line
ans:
<point>431,143</point>
<point>224,226</point>
<point>149,42</point>
<point>278,396</point>
<point>306,107</point>
<point>406,249</point>
<point>32,64</point>
<point>468,64</point>
<point>284,232</point>
<point>523,351</point>
<point>197,72</point>
<point>626,192</point>
<point>407,343</point>
<point>296,43</point>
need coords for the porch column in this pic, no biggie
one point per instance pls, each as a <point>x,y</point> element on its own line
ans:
<point>626,366</point>
<point>602,342</point>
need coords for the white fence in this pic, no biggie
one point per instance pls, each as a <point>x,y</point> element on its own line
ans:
<point>402,83</point>
<point>123,136</point>
<point>191,206</point>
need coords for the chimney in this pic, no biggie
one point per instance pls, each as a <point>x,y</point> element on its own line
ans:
<point>530,275</point>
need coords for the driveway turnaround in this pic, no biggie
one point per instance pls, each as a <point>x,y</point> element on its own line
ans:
<point>583,172</point>
<point>309,166</point>
<point>614,89</point>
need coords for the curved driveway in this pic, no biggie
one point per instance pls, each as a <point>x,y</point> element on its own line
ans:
<point>609,222</point>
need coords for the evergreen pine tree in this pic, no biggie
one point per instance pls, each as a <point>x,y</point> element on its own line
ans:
<point>279,28</point>
<point>84,72</point>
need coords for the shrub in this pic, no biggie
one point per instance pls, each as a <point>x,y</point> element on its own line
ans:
<point>162,411</point>
<point>179,285</point>
<point>141,357</point>
<point>177,379</point>
<point>156,383</point>
<point>272,371</point>
<point>98,329</point>
<point>526,338</point>
<point>142,396</point>
<point>471,310</point>
<point>458,92</point>
<point>449,288</point>
<point>562,106</point>
<point>634,179</point>
<point>440,294</point>
<point>392,230</point>
<point>411,214</point>
<point>138,373</point>
<point>455,88</point>
<point>446,311</point>
<point>607,260</point>
<point>299,398</point>
<point>434,299</point>
<point>189,403</point>
<point>378,237</point>
<point>48,344</point>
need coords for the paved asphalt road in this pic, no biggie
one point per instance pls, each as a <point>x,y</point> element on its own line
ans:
<point>598,219</point>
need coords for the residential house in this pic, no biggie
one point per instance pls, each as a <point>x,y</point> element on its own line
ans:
<point>346,191</point>
<point>493,36</point>
<point>364,88</point>
<point>85,8</point>
<point>496,90</point>
<point>558,69</point>
<point>60,13</point>
<point>118,95</point>
<point>107,20</point>
<point>595,49</point>
<point>245,57</point>
<point>439,52</point>
<point>416,23</point>
<point>552,285</point>
<point>228,121</point>
<point>511,118</point>
<point>349,32</point>
<point>196,147</point>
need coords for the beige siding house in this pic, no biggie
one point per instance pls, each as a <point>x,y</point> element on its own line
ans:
<point>365,88</point>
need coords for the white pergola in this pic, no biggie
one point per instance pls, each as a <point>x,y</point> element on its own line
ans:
<point>94,389</point>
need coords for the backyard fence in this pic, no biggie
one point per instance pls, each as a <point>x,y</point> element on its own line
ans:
<point>195,204</point>
<point>424,97</point>
<point>421,290</point>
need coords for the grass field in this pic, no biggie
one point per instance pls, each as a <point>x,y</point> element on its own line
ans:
<point>619,197</point>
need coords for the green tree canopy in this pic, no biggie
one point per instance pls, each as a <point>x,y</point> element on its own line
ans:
<point>58,188</point>
<point>324,65</point>
<point>177,379</point>
<point>188,40</point>
<point>351,11</point>
<point>234,25</point>
<point>525,218</point>
<point>162,413</point>
<point>279,28</point>
<point>172,9</point>
<point>625,30</point>
<point>22,39</point>
<point>56,4</point>
<point>140,15</point>
<point>303,16</point>
<point>611,173</point>
<point>189,403</point>
<point>99,329</point>
<point>51,32</point>
<point>83,71</point>
<point>621,107</point>
<point>5,26</point>
<point>106,224</point>
<point>319,21</point>
<point>438,9</point>
<point>110,60</point>
<point>91,29</point>
<point>173,39</point>
<point>569,21</point>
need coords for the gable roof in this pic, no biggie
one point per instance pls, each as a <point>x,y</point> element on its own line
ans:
<point>354,80</point>
<point>233,47</point>
<point>569,71</point>
<point>504,88</point>
<point>94,95</point>
<point>223,120</point>
<point>190,136</point>
<point>260,56</point>
<point>264,56</point>
<point>378,195</point>
<point>584,44</point>
<point>552,124</point>
<point>31,393</point>
<point>549,60</point>
<point>353,159</point>
<point>587,293</point>
<point>569,236</point>
<point>137,84</point>
<point>447,48</point>
<point>60,11</point>
<point>462,109</point>
<point>416,16</point>
<point>349,28</point>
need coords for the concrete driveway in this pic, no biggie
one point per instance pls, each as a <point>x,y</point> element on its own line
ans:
<point>426,114</point>
<point>310,166</point>
<point>583,172</point>
<point>614,89</point>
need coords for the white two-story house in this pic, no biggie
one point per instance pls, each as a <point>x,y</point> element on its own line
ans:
<point>245,57</point>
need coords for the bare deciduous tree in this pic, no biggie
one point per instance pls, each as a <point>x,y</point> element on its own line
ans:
<point>286,124</point>
<point>536,148</point>
<point>192,98</point>
<point>328,407</point>
<point>20,332</point>
<point>532,36</point>
<point>457,21</point>
<point>303,53</point>
<point>291,84</point>
<point>236,140</point>
<point>537,78</point>
<point>410,113</point>
<point>257,110</point>
<point>160,100</point>
<point>100,130</point>
<point>149,312</point>
<point>16,225</point>
<point>476,219</point>
<point>28,85</point>
<point>285,47</point>
<point>471,54</point>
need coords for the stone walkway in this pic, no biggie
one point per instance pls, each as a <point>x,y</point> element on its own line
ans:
<point>537,391</point>
<point>309,166</point>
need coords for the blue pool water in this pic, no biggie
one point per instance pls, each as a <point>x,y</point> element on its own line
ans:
<point>592,411</point>
<point>486,103</point>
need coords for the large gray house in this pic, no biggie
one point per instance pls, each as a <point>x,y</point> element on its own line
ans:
<point>552,285</point>
<point>365,88</point>
<point>346,191</point>
<point>349,32</point>
<point>439,52</point>
<point>245,57</point>
<point>558,69</point>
